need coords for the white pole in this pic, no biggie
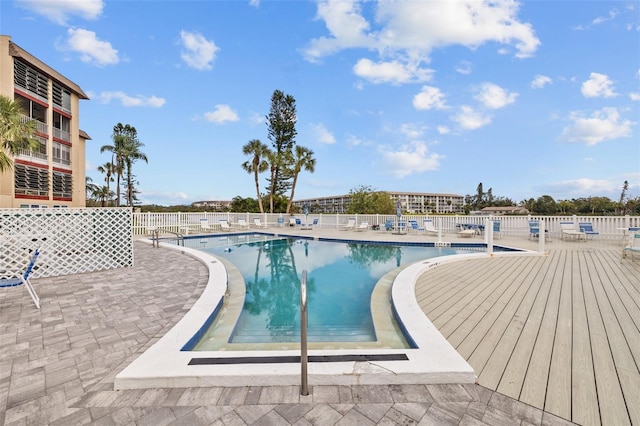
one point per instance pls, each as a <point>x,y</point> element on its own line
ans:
<point>542,236</point>
<point>488,235</point>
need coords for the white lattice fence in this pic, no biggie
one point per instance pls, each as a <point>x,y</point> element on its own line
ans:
<point>71,241</point>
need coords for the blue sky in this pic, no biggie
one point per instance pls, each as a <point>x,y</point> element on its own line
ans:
<point>530,98</point>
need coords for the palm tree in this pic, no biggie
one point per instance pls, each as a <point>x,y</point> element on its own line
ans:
<point>126,151</point>
<point>132,154</point>
<point>108,169</point>
<point>102,194</point>
<point>303,159</point>
<point>258,163</point>
<point>15,132</point>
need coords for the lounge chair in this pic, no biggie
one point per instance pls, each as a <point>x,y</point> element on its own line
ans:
<point>314,223</point>
<point>242,224</point>
<point>632,247</point>
<point>258,224</point>
<point>388,225</point>
<point>293,221</point>
<point>568,229</point>
<point>224,225</point>
<point>350,225</point>
<point>362,227</point>
<point>23,279</point>
<point>587,228</point>
<point>415,227</point>
<point>496,229</point>
<point>206,226</point>
<point>534,231</point>
<point>429,228</point>
<point>280,221</point>
<point>467,232</point>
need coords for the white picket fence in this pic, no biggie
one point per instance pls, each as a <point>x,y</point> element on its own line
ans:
<point>77,240</point>
<point>71,240</point>
<point>608,227</point>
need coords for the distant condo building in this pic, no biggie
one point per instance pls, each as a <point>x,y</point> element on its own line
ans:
<point>52,175</point>
<point>411,202</point>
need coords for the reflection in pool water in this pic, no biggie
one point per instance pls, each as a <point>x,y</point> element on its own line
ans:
<point>340,280</point>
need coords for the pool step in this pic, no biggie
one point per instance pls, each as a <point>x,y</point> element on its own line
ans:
<point>314,334</point>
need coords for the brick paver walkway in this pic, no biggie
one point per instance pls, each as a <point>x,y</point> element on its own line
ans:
<point>57,364</point>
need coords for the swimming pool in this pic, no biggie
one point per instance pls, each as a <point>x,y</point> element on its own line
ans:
<point>341,280</point>
<point>429,359</point>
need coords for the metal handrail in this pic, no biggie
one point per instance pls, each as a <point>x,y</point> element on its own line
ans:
<point>155,236</point>
<point>304,390</point>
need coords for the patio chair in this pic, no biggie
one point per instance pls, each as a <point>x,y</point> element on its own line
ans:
<point>496,229</point>
<point>224,225</point>
<point>258,224</point>
<point>242,224</point>
<point>429,228</point>
<point>293,221</point>
<point>587,228</point>
<point>362,227</point>
<point>388,225</point>
<point>569,229</point>
<point>351,223</point>
<point>415,227</point>
<point>206,226</point>
<point>632,247</point>
<point>23,279</point>
<point>467,232</point>
<point>314,223</point>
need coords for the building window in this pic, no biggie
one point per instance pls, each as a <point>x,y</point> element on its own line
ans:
<point>62,185</point>
<point>61,127</point>
<point>31,80</point>
<point>32,110</point>
<point>61,97</point>
<point>61,154</point>
<point>31,180</point>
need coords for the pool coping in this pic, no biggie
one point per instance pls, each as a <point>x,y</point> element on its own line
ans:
<point>435,360</point>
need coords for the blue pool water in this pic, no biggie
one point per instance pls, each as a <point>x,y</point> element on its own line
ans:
<point>340,280</point>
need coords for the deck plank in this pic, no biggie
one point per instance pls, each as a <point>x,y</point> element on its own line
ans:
<point>534,388</point>
<point>511,323</point>
<point>497,321</point>
<point>558,399</point>
<point>516,369</point>
<point>584,400</point>
<point>559,332</point>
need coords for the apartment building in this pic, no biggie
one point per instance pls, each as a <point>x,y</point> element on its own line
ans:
<point>54,174</point>
<point>411,202</point>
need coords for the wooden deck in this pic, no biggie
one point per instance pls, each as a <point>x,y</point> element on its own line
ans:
<point>559,332</point>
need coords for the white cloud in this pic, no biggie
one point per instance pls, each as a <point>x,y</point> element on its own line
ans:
<point>635,96</point>
<point>416,28</point>
<point>429,98</point>
<point>494,97</point>
<point>91,50</point>
<point>322,134</point>
<point>221,114</point>
<point>198,52</point>
<point>599,20</point>
<point>394,72</point>
<point>539,81</point>
<point>470,119</point>
<point>598,85</point>
<point>163,198</point>
<point>464,68</point>
<point>130,101</point>
<point>410,159</point>
<point>412,131</point>
<point>443,130</point>
<point>605,124</point>
<point>256,118</point>
<point>60,11</point>
<point>254,3</point>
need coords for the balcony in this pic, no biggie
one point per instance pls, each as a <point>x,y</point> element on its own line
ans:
<point>62,161</point>
<point>61,134</point>
<point>40,126</point>
<point>32,156</point>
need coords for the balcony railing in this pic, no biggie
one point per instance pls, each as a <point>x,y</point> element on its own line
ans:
<point>62,161</point>
<point>40,126</point>
<point>37,192</point>
<point>61,134</point>
<point>33,155</point>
